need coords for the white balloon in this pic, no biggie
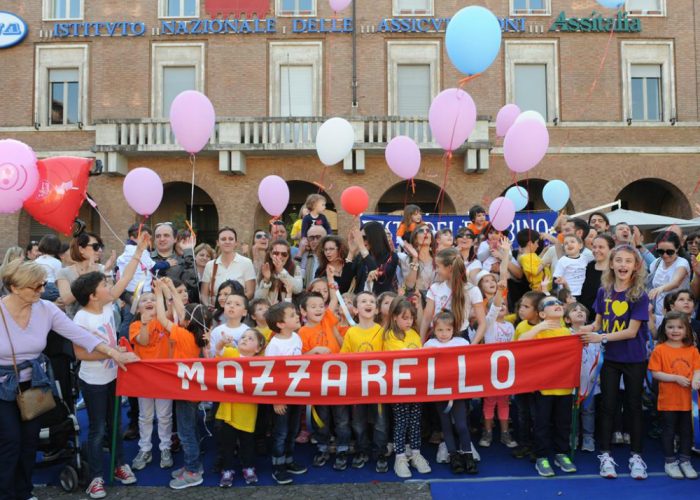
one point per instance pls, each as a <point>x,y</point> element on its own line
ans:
<point>528,115</point>
<point>334,141</point>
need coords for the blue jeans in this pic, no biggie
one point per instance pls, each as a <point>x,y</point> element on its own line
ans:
<point>588,418</point>
<point>455,424</point>
<point>362,417</point>
<point>18,443</point>
<point>99,402</point>
<point>284,431</point>
<point>127,319</point>
<point>341,426</point>
<point>187,430</point>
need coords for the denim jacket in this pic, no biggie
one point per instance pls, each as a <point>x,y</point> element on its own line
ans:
<point>41,377</point>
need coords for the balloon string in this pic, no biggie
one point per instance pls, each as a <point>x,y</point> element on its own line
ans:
<point>102,218</point>
<point>193,162</point>
<point>468,79</point>
<point>439,204</point>
<point>319,184</point>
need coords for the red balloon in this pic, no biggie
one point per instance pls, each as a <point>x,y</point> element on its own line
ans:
<point>354,200</point>
<point>62,188</point>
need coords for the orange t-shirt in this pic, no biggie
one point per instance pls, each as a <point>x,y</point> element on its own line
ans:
<point>158,346</point>
<point>675,361</point>
<point>343,330</point>
<point>472,227</point>
<point>403,229</point>
<point>321,334</point>
<point>183,344</point>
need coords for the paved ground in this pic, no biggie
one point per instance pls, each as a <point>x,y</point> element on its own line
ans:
<point>414,491</point>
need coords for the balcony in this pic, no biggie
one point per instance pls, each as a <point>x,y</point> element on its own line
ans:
<point>235,138</point>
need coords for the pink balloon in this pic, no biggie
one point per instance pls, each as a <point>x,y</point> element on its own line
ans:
<point>338,5</point>
<point>273,194</point>
<point>505,119</point>
<point>452,118</point>
<point>192,119</point>
<point>501,213</point>
<point>403,156</point>
<point>19,176</point>
<point>143,191</point>
<point>525,145</point>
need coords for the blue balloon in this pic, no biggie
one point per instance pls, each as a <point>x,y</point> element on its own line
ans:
<point>611,4</point>
<point>473,39</point>
<point>556,194</point>
<point>518,195</point>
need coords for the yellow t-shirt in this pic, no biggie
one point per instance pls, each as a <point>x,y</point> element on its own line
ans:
<point>267,333</point>
<point>296,229</point>
<point>530,263</point>
<point>523,326</point>
<point>363,339</point>
<point>511,318</point>
<point>241,416</point>
<point>550,334</point>
<point>411,341</point>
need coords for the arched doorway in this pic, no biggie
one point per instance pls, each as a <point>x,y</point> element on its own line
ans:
<point>426,195</point>
<point>175,208</point>
<point>298,192</point>
<point>655,196</point>
<point>534,188</point>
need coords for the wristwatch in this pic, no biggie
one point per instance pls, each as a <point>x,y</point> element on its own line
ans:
<point>604,339</point>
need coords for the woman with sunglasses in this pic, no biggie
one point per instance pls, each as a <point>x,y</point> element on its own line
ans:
<point>668,273</point>
<point>332,254</point>
<point>279,278</point>
<point>258,249</point>
<point>418,268</point>
<point>84,252</point>
<point>465,240</point>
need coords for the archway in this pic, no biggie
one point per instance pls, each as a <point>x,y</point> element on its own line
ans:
<point>655,196</point>
<point>534,188</point>
<point>175,208</point>
<point>425,196</point>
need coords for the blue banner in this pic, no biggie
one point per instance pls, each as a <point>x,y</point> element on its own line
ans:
<point>539,221</point>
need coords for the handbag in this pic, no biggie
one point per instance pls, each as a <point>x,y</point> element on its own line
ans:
<point>35,401</point>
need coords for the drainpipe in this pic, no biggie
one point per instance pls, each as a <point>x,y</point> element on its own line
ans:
<point>354,56</point>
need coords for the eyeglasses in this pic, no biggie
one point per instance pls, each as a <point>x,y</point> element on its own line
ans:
<point>422,230</point>
<point>280,254</point>
<point>330,249</point>
<point>260,236</point>
<point>465,234</point>
<point>38,288</point>
<point>670,252</point>
<point>314,238</point>
<point>548,303</point>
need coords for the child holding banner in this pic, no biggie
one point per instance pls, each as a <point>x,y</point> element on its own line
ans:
<point>235,310</point>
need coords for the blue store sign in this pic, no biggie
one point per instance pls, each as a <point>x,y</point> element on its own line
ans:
<point>13,29</point>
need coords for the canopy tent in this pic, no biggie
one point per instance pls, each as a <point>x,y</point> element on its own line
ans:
<point>687,226</point>
<point>643,220</point>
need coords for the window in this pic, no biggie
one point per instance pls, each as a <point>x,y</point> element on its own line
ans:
<point>531,87</point>
<point>413,88</point>
<point>413,77</point>
<point>178,8</point>
<point>531,7</point>
<point>55,10</point>
<point>413,7</point>
<point>649,81</point>
<point>532,76</point>
<point>176,67</point>
<point>646,92</point>
<point>296,94</point>
<point>296,79</point>
<point>64,92</point>
<point>646,7</point>
<point>296,7</point>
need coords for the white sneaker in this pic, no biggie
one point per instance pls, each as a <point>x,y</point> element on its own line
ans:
<point>443,456</point>
<point>401,467</point>
<point>673,471</point>
<point>688,470</point>
<point>638,469</point>
<point>419,462</point>
<point>607,466</point>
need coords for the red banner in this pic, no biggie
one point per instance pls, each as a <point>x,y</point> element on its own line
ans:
<point>375,377</point>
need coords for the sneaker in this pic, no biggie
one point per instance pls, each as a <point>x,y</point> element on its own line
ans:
<point>341,461</point>
<point>617,438</point>
<point>588,443</point>
<point>486,439</point>
<point>401,467</point>
<point>443,456</point>
<point>226,480</point>
<point>166,459</point>
<point>419,462</point>
<point>187,480</point>
<point>302,437</point>
<point>141,459</point>
<point>96,488</point>
<point>295,468</point>
<point>521,451</point>
<point>321,458</point>
<point>507,440</point>
<point>359,460</point>
<point>124,474</point>
<point>131,433</point>
<point>382,465</point>
<point>626,438</point>
<point>688,470</point>
<point>475,454</point>
<point>469,463</point>
<point>607,466</point>
<point>177,472</point>
<point>281,476</point>
<point>564,463</point>
<point>543,468</point>
<point>638,469</point>
<point>250,476</point>
<point>673,471</point>
<point>456,463</point>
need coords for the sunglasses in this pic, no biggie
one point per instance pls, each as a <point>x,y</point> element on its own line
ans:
<point>313,238</point>
<point>551,303</point>
<point>280,254</point>
<point>466,235</point>
<point>260,236</point>
<point>38,288</point>
<point>670,252</point>
<point>95,246</point>
<point>330,249</point>
<point>422,230</point>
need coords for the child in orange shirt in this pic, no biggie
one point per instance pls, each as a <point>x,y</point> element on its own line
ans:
<point>412,216</point>
<point>320,336</point>
<point>477,216</point>
<point>675,363</point>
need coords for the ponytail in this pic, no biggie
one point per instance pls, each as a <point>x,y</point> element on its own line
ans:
<point>459,306</point>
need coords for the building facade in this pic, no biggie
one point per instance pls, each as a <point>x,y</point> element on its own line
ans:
<point>620,92</point>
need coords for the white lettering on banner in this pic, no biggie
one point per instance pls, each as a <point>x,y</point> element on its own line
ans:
<point>188,373</point>
<point>340,382</point>
<point>432,390</point>
<point>222,380</point>
<point>263,379</point>
<point>462,377</point>
<point>297,376</point>
<point>378,377</point>
<point>397,390</point>
<point>510,380</point>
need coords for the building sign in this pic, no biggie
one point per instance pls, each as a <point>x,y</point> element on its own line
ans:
<point>13,29</point>
<point>596,23</point>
